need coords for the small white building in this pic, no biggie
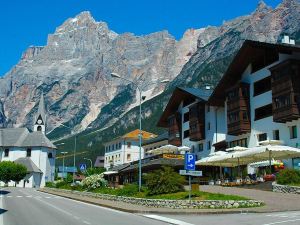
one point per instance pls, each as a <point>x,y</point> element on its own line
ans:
<point>124,149</point>
<point>32,149</point>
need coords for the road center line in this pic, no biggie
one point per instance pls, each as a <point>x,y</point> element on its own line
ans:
<point>59,209</point>
<point>168,220</point>
<point>279,222</point>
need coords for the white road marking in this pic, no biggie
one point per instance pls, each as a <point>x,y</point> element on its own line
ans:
<point>1,207</point>
<point>29,196</point>
<point>89,204</point>
<point>47,197</point>
<point>168,220</point>
<point>76,217</point>
<point>86,222</point>
<point>59,209</point>
<point>279,222</point>
<point>9,196</point>
<point>19,196</point>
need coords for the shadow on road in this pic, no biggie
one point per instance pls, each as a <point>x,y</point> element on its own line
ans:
<point>2,211</point>
<point>4,192</point>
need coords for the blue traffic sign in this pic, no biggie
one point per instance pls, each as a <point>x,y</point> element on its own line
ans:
<point>190,160</point>
<point>82,167</point>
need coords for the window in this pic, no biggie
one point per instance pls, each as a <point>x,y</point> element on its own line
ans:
<point>28,152</point>
<point>233,117</point>
<point>128,157</point>
<point>186,117</point>
<point>262,137</point>
<point>282,101</point>
<point>276,135</point>
<point>50,155</point>
<point>171,121</point>
<point>193,127</point>
<point>120,145</point>
<point>113,147</point>
<point>208,108</point>
<point>6,152</point>
<point>186,133</point>
<point>233,94</point>
<point>39,128</point>
<point>293,132</point>
<point>262,86</point>
<point>208,145</point>
<point>263,112</point>
<point>128,144</point>
<point>200,147</point>
<point>208,126</point>
<point>108,148</point>
<point>245,115</point>
<point>240,142</point>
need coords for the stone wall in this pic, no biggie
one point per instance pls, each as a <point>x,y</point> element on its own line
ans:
<point>285,189</point>
<point>173,204</point>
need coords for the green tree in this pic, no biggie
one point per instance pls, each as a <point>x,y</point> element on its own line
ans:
<point>10,171</point>
<point>95,170</point>
<point>164,180</point>
<point>288,176</point>
<point>18,173</point>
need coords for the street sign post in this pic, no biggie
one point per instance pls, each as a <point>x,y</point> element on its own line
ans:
<point>190,160</point>
<point>189,165</point>
<point>82,167</point>
<point>194,173</point>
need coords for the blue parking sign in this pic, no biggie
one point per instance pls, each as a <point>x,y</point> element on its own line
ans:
<point>190,160</point>
<point>82,167</point>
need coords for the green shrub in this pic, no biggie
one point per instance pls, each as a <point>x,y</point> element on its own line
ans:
<point>288,176</point>
<point>50,184</point>
<point>94,181</point>
<point>128,190</point>
<point>61,184</point>
<point>163,181</point>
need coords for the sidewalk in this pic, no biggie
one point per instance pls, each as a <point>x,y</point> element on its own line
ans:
<point>126,207</point>
<point>274,201</point>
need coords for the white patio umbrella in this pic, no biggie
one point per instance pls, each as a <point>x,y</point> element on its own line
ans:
<point>164,149</point>
<point>184,148</point>
<point>266,152</point>
<point>236,148</point>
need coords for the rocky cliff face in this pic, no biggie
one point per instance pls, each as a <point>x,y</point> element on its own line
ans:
<point>73,71</point>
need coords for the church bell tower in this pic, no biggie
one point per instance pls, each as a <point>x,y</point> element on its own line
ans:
<point>40,118</point>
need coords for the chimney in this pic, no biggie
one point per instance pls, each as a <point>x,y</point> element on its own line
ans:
<point>286,40</point>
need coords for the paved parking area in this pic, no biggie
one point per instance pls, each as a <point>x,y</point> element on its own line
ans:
<point>276,202</point>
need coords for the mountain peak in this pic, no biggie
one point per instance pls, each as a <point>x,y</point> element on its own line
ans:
<point>262,7</point>
<point>83,16</point>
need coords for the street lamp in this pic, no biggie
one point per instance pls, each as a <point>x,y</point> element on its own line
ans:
<point>90,162</point>
<point>74,156</point>
<point>116,75</point>
<point>63,153</point>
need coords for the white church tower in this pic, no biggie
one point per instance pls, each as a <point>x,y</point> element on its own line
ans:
<point>40,118</point>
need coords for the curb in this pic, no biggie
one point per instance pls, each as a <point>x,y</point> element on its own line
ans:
<point>221,211</point>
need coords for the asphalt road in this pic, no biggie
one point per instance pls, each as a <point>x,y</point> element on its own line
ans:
<point>29,207</point>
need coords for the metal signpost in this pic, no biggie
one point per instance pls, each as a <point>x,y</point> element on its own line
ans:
<point>189,165</point>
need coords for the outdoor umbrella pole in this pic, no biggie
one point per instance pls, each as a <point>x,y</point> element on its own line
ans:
<point>270,162</point>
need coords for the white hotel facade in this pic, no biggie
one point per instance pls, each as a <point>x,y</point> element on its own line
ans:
<point>257,99</point>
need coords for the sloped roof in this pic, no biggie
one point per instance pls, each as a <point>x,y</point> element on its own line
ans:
<point>135,135</point>
<point>179,95</point>
<point>21,137</point>
<point>27,162</point>
<point>164,136</point>
<point>250,51</point>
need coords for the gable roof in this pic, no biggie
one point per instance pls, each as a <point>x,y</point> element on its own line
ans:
<point>21,137</point>
<point>135,135</point>
<point>179,95</point>
<point>162,137</point>
<point>29,164</point>
<point>249,52</point>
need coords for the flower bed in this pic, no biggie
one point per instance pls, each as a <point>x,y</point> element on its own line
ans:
<point>165,203</point>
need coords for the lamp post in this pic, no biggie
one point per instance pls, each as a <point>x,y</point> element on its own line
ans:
<point>115,75</point>
<point>74,155</point>
<point>63,153</point>
<point>90,162</point>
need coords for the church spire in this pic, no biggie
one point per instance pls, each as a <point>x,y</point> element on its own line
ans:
<point>40,118</point>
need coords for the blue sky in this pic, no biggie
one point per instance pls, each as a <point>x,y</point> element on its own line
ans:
<point>28,22</point>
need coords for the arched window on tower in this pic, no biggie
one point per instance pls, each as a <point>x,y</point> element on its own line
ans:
<point>50,156</point>
<point>39,128</point>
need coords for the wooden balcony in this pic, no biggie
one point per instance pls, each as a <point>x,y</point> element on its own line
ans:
<point>285,91</point>
<point>174,123</point>
<point>197,121</point>
<point>286,114</point>
<point>238,127</point>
